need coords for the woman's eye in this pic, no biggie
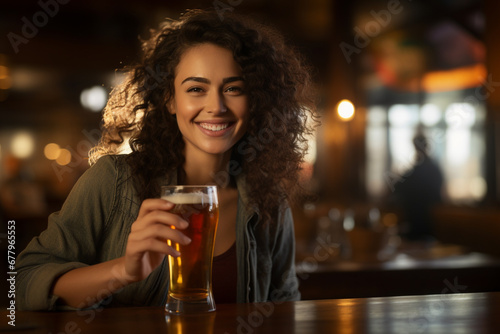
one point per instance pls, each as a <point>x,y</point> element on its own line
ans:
<point>234,89</point>
<point>195,90</point>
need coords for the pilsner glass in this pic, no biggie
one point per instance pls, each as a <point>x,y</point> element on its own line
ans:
<point>190,288</point>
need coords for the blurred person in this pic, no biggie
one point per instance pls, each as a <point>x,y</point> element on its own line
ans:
<point>212,101</point>
<point>419,191</point>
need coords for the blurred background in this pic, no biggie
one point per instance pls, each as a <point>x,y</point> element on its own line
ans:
<point>402,173</point>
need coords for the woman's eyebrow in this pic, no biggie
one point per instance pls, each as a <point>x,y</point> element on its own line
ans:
<point>232,79</point>
<point>206,81</point>
<point>197,79</point>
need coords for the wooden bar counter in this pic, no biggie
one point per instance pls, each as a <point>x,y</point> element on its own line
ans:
<point>412,270</point>
<point>442,313</point>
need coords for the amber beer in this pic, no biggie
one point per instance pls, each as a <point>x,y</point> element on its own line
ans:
<point>190,275</point>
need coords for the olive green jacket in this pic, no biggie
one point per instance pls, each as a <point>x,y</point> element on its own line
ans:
<point>93,226</point>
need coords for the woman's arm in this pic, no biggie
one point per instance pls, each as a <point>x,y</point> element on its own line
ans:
<point>86,286</point>
<point>146,249</point>
<point>67,261</point>
<point>70,240</point>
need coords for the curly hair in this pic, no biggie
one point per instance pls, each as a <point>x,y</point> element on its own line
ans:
<point>279,89</point>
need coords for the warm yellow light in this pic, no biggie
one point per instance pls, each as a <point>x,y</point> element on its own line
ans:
<point>345,109</point>
<point>23,145</point>
<point>52,151</point>
<point>179,265</point>
<point>5,83</point>
<point>456,79</point>
<point>5,80</point>
<point>4,72</point>
<point>64,157</point>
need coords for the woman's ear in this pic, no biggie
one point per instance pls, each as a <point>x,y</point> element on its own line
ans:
<point>171,106</point>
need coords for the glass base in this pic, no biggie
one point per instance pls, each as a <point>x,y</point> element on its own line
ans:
<point>180,306</point>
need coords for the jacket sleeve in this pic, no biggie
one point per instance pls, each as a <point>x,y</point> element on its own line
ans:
<point>285,286</point>
<point>71,239</point>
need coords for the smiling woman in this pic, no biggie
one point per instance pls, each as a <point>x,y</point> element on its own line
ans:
<point>276,84</point>
<point>203,90</point>
<point>209,102</point>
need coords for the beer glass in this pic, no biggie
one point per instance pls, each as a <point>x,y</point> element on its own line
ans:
<point>190,288</point>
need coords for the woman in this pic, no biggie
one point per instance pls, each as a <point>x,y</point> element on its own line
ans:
<point>212,102</point>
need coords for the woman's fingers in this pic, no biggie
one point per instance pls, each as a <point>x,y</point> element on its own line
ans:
<point>166,218</point>
<point>148,239</point>
<point>160,232</point>
<point>155,211</point>
<point>153,204</point>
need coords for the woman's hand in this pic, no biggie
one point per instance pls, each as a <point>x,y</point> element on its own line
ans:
<point>146,249</point>
<point>147,242</point>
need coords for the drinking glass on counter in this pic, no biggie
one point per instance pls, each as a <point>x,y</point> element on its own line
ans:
<point>190,274</point>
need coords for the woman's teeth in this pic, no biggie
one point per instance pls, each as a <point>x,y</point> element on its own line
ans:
<point>214,127</point>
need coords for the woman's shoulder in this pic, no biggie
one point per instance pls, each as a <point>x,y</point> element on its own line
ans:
<point>107,172</point>
<point>112,159</point>
<point>110,164</point>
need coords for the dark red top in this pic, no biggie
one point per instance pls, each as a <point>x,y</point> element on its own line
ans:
<point>224,276</point>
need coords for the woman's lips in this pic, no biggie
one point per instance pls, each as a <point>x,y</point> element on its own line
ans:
<point>215,129</point>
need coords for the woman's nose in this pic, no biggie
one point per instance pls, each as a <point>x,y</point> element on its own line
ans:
<point>215,103</point>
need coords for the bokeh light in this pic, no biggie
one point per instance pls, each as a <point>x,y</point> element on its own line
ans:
<point>430,114</point>
<point>345,109</point>
<point>52,151</point>
<point>94,98</point>
<point>460,115</point>
<point>5,81</point>
<point>22,145</point>
<point>64,157</point>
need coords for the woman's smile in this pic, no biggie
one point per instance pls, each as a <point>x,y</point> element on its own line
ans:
<point>215,128</point>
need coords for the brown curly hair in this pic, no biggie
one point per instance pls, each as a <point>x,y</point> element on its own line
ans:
<point>279,90</point>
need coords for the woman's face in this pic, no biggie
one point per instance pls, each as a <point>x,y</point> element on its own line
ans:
<point>210,102</point>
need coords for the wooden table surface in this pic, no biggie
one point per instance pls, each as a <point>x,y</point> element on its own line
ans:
<point>443,313</point>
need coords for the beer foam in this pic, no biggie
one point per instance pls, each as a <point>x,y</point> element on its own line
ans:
<point>188,198</point>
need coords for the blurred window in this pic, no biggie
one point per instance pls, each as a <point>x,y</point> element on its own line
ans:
<point>424,70</point>
<point>456,139</point>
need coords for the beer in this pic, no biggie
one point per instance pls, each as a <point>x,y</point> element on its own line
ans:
<point>191,272</point>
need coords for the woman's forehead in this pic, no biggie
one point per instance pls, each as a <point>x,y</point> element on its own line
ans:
<point>207,60</point>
